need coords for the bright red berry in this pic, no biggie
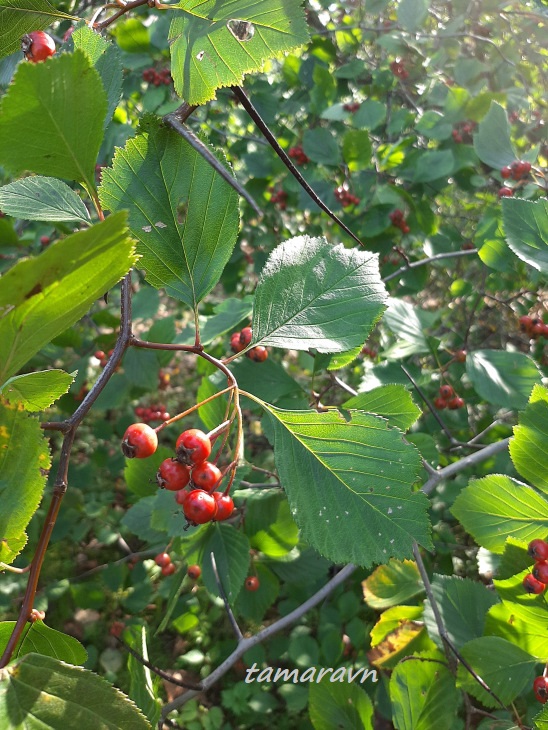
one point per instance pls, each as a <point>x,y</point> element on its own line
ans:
<point>540,571</point>
<point>139,441</point>
<point>506,172</point>
<point>45,240</point>
<point>532,585</point>
<point>537,330</point>
<point>199,507</point>
<point>193,446</point>
<point>100,355</point>
<point>446,392</point>
<point>245,336</point>
<point>206,476</point>
<point>162,559</point>
<point>505,193</point>
<point>538,549</point>
<point>194,572</point>
<point>168,569</point>
<point>455,403</point>
<point>258,354</point>
<point>440,403</point>
<point>251,583</point>
<point>540,688</point>
<point>225,506</point>
<point>37,46</point>
<point>172,475</point>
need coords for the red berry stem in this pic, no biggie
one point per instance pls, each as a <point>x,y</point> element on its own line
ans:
<point>182,415</point>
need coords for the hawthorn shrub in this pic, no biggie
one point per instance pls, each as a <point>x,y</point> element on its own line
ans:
<point>272,362</point>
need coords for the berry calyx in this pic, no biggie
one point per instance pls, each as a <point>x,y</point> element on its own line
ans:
<point>172,475</point>
<point>206,476</point>
<point>225,506</point>
<point>199,507</point>
<point>193,447</point>
<point>168,569</point>
<point>446,392</point>
<point>540,688</point>
<point>532,585</point>
<point>538,549</point>
<point>258,354</point>
<point>251,583</point>
<point>139,441</point>
<point>37,46</point>
<point>194,572</point>
<point>540,571</point>
<point>162,559</point>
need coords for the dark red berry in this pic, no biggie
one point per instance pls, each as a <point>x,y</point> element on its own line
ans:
<point>194,572</point>
<point>251,583</point>
<point>116,628</point>
<point>193,446</point>
<point>235,344</point>
<point>506,172</point>
<point>100,355</point>
<point>172,475</point>
<point>455,403</point>
<point>245,336</point>
<point>505,193</point>
<point>139,441</point>
<point>168,569</point>
<point>540,571</point>
<point>199,507</point>
<point>258,354</point>
<point>162,559</point>
<point>538,549</point>
<point>540,688</point>
<point>206,476</point>
<point>440,403</point>
<point>37,46</point>
<point>532,585</point>
<point>526,324</point>
<point>460,355</point>
<point>225,506</point>
<point>446,392</point>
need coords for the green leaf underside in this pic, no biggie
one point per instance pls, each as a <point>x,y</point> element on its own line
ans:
<point>37,391</point>
<point>40,692</point>
<point>18,17</point>
<point>66,94</point>
<point>40,198</point>
<point>206,55</point>
<point>315,295</point>
<point>495,507</point>
<point>393,402</point>
<point>503,378</point>
<point>43,296</point>
<point>339,705</point>
<point>526,228</point>
<point>349,484</point>
<point>529,446</point>
<point>24,461</point>
<point>183,214</point>
<point>141,686</point>
<point>41,639</point>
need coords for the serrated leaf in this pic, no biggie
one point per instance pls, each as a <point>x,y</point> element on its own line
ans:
<point>412,13</point>
<point>394,402</point>
<point>502,378</point>
<point>141,688</point>
<point>391,619</point>
<point>39,692</point>
<point>43,296</point>
<point>492,141</point>
<point>348,480</point>
<point>37,391</point>
<point>433,165</point>
<point>269,525</point>
<point>408,638</point>
<point>496,507</point>
<point>228,314</point>
<point>408,321</point>
<point>321,147</point>
<point>526,228</point>
<point>253,605</point>
<point>524,626</point>
<point>339,705</point>
<point>24,463</point>
<point>186,225</point>
<point>67,97</point>
<point>41,639</point>
<point>315,295</point>
<point>390,584</point>
<point>529,445</point>
<point>357,149</point>
<point>18,17</point>
<point>211,47</point>
<point>40,198</point>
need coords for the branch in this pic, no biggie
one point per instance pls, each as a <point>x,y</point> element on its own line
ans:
<point>422,262</point>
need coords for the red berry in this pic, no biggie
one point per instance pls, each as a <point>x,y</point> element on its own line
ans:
<point>193,447</point>
<point>540,688</point>
<point>100,355</point>
<point>44,240</point>
<point>116,628</point>
<point>446,392</point>
<point>199,507</point>
<point>225,506</point>
<point>206,476</point>
<point>181,496</point>
<point>172,475</point>
<point>440,404</point>
<point>526,323</point>
<point>455,403</point>
<point>505,193</point>
<point>235,344</point>
<point>139,441</point>
<point>537,330</point>
<point>162,559</point>
<point>245,336</point>
<point>532,585</point>
<point>540,571</point>
<point>460,355</point>
<point>506,172</point>
<point>405,228</point>
<point>37,46</point>
<point>258,354</point>
<point>194,572</point>
<point>538,549</point>
<point>251,583</point>
<point>168,569</point>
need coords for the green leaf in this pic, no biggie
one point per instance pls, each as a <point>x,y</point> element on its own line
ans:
<point>315,295</point>
<point>423,694</point>
<point>505,668</point>
<point>211,48</point>
<point>339,705</point>
<point>186,224</point>
<point>492,141</point>
<point>433,165</point>
<point>409,322</point>
<point>24,463</point>
<point>412,13</point>
<point>370,114</point>
<point>228,314</point>
<point>526,228</point>
<point>141,689</point>
<point>61,105</point>
<point>502,378</point>
<point>271,382</point>
<point>253,605</point>
<point>18,17</point>
<point>463,605</point>
<point>394,402</point>
<point>321,147</point>
<point>496,507</point>
<point>392,619</point>
<point>529,446</point>
<point>43,296</point>
<point>343,359</point>
<point>41,692</point>
<point>37,391</point>
<point>40,198</point>
<point>140,474</point>
<point>391,584</point>
<point>348,480</point>
<point>523,625</point>
<point>212,413</point>
<point>41,639</point>
<point>357,149</point>
<point>269,525</point>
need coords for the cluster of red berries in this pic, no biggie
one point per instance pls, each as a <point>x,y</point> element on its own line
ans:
<point>463,132</point>
<point>240,340</point>
<point>517,170</point>
<point>533,326</point>
<point>37,46</point>
<point>102,357</point>
<point>157,78</point>
<point>279,198</point>
<point>297,154</point>
<point>448,399</point>
<point>536,580</point>
<point>345,197</point>
<point>369,352</point>
<point>397,219</point>
<point>399,70</point>
<point>352,106</point>
<point>154,412</point>
<point>163,561</point>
